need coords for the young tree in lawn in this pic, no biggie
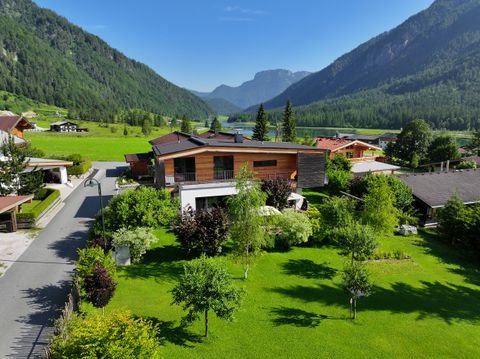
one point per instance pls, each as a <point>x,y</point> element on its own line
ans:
<point>173,123</point>
<point>11,167</point>
<point>278,190</point>
<point>31,182</point>
<point>357,284</point>
<point>205,286</point>
<point>186,126</point>
<point>216,125</point>
<point>99,286</point>
<point>247,230</point>
<point>379,206</point>
<point>125,131</point>
<point>207,125</point>
<point>261,125</point>
<point>289,125</point>
<point>355,240</point>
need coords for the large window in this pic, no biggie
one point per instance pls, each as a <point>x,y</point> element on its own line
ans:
<point>184,169</point>
<point>266,163</point>
<point>223,167</point>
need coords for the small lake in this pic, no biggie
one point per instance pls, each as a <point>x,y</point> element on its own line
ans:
<point>311,132</point>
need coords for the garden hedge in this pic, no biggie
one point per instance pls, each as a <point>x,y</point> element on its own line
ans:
<point>35,212</point>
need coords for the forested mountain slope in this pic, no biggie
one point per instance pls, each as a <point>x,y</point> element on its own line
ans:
<point>428,67</point>
<point>48,59</point>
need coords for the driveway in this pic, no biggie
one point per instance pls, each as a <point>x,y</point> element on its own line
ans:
<point>34,289</point>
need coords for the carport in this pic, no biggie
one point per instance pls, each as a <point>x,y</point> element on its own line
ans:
<point>10,204</point>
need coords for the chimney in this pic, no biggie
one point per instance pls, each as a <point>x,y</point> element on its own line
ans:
<point>441,166</point>
<point>448,165</point>
<point>238,138</point>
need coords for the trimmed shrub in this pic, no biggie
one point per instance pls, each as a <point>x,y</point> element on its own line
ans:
<point>88,258</point>
<point>278,190</point>
<point>114,335</point>
<point>202,232</point>
<point>138,240</point>
<point>143,207</point>
<point>292,228</point>
<point>99,286</point>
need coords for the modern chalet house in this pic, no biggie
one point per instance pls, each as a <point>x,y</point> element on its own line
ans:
<point>202,168</point>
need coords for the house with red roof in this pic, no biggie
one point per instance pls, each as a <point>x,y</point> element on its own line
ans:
<point>352,149</point>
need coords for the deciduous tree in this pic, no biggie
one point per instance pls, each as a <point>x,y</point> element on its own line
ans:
<point>247,230</point>
<point>206,286</point>
<point>278,190</point>
<point>357,284</point>
<point>443,148</point>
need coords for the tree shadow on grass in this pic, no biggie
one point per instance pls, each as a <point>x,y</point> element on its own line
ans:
<point>465,261</point>
<point>161,263</point>
<point>449,302</point>
<point>308,269</point>
<point>168,331</point>
<point>296,317</point>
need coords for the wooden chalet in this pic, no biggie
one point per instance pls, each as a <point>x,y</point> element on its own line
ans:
<point>205,166</point>
<point>66,126</point>
<point>15,125</point>
<point>351,149</point>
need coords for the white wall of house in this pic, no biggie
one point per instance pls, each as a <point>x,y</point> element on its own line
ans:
<point>190,192</point>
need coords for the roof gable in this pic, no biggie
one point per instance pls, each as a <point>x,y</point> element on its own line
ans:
<point>7,123</point>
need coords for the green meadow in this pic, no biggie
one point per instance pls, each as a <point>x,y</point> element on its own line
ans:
<point>423,307</point>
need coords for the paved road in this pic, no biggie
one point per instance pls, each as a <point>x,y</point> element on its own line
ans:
<point>35,287</point>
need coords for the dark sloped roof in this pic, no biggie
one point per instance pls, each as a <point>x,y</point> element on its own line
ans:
<point>195,142</point>
<point>9,122</point>
<point>136,157</point>
<point>175,136</point>
<point>435,189</point>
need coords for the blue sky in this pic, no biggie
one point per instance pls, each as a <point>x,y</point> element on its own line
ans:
<point>201,44</point>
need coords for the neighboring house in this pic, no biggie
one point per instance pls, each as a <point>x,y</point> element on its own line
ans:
<point>377,140</point>
<point>351,149</point>
<point>5,135</point>
<point>202,170</point>
<point>140,164</point>
<point>66,126</point>
<point>433,190</point>
<point>55,170</point>
<point>15,125</point>
<point>363,168</point>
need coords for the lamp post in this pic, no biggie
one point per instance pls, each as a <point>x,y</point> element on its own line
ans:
<point>92,182</point>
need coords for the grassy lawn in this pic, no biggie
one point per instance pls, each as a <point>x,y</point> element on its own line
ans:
<point>423,308</point>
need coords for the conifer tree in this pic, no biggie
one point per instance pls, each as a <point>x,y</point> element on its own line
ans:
<point>261,125</point>
<point>13,164</point>
<point>216,125</point>
<point>289,125</point>
<point>186,126</point>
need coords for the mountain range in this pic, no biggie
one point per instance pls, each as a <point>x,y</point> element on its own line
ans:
<point>429,66</point>
<point>46,58</point>
<point>264,86</point>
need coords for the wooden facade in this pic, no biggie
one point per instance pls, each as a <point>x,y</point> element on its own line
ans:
<point>264,165</point>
